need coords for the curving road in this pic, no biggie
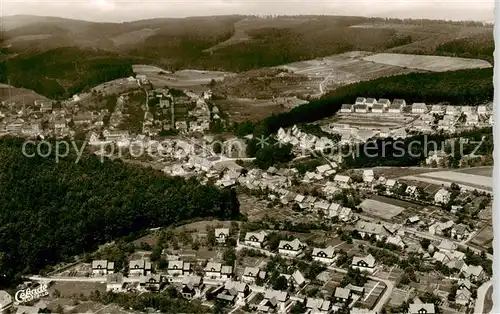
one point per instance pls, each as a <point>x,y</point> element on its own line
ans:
<point>481,297</point>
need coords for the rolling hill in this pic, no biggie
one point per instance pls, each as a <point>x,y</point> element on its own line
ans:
<point>235,43</point>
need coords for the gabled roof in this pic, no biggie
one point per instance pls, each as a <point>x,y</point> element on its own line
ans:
<point>213,267</point>
<point>369,260</point>
<point>346,107</point>
<point>259,236</point>
<point>298,277</point>
<point>342,293</point>
<point>226,270</point>
<point>329,252</point>
<point>384,101</point>
<point>372,228</point>
<point>251,271</point>
<point>224,231</point>
<point>340,178</point>
<point>427,308</point>
<point>294,245</point>
<point>279,296</point>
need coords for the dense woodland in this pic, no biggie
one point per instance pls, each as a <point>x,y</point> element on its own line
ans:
<point>52,211</point>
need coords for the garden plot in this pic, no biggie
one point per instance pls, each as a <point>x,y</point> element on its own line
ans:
<point>380,209</point>
<point>428,63</point>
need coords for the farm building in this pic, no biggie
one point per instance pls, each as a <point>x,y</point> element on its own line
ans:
<point>347,108</point>
<point>378,108</point>
<point>418,108</point>
<point>370,102</point>
<point>384,102</point>
<point>360,101</point>
<point>361,108</point>
<point>436,109</point>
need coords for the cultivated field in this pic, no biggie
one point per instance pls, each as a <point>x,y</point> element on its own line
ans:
<point>427,63</point>
<point>380,209</point>
<point>185,78</point>
<point>342,69</point>
<point>462,178</point>
<point>147,69</point>
<point>241,109</point>
<point>484,237</point>
<point>480,171</point>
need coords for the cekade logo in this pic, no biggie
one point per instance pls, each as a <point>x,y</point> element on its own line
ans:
<point>27,295</point>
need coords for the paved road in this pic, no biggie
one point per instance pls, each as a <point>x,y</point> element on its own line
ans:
<point>481,297</point>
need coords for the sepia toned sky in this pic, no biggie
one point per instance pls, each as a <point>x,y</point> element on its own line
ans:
<point>127,10</point>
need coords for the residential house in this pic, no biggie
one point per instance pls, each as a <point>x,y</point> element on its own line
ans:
<point>237,289</point>
<point>139,267</point>
<point>356,289</point>
<point>451,110</point>
<point>114,282</point>
<point>298,278</point>
<point>361,108</point>
<point>467,110</point>
<point>418,108</point>
<point>368,176</point>
<point>324,255</point>
<point>435,156</point>
<point>463,295</point>
<point>370,102</point>
<point>447,246</point>
<point>440,228</point>
<point>436,109</point>
<point>472,119</point>
<point>378,108</point>
<point>342,180</point>
<point>347,108</point>
<point>82,118</point>
<point>384,102</point>
<point>442,196</point>
<point>250,274</point>
<point>422,308</point>
<point>178,268</point>
<point>412,220</point>
<point>345,214</point>
<point>360,101</point>
<point>115,135</point>
<point>274,299</point>
<point>342,295</point>
<point>364,264</point>
<point>292,248</point>
<point>318,306</point>
<point>325,170</point>
<point>333,210</point>
<point>191,286</point>
<point>102,267</point>
<point>460,232</point>
<point>151,282</point>
<point>226,272</point>
<point>395,240</point>
<point>482,110</point>
<point>395,108</point>
<point>213,270</point>
<point>256,239</point>
<point>221,235</point>
<point>473,273</point>
<point>371,229</point>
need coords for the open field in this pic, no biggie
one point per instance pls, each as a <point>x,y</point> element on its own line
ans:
<point>380,209</point>
<point>396,172</point>
<point>484,237</point>
<point>462,178</point>
<point>147,69</point>
<point>69,288</point>
<point>19,94</point>
<point>241,109</point>
<point>480,171</point>
<point>342,69</point>
<point>395,202</point>
<point>185,78</point>
<point>427,63</point>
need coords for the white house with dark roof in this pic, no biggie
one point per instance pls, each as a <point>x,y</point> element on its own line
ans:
<point>437,109</point>
<point>274,299</point>
<point>422,308</point>
<point>364,264</point>
<point>361,108</point>
<point>384,102</point>
<point>419,108</point>
<point>213,270</point>
<point>360,101</point>
<point>318,306</point>
<point>221,235</point>
<point>347,108</point>
<point>326,256</point>
<point>292,248</point>
<point>370,102</point>
<point>342,295</point>
<point>378,108</point>
<point>250,274</point>
<point>256,239</point>
<point>102,267</point>
<point>395,108</point>
<point>139,267</point>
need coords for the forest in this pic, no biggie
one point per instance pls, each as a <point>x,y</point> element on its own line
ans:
<point>464,87</point>
<point>51,212</point>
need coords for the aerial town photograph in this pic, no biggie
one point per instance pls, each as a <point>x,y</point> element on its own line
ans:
<point>230,157</point>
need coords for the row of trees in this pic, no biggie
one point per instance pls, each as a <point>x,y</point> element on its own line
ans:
<point>52,211</point>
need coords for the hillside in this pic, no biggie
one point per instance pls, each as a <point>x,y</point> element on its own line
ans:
<point>222,43</point>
